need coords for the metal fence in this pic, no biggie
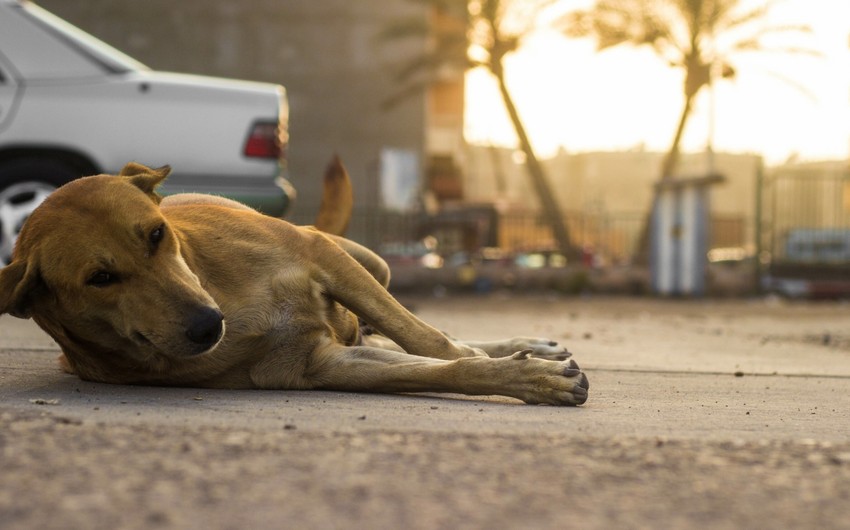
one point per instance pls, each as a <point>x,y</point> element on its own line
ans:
<point>609,238</point>
<point>805,221</point>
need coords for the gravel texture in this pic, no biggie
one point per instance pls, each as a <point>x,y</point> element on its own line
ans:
<point>701,415</point>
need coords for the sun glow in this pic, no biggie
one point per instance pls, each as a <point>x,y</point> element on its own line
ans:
<point>625,98</point>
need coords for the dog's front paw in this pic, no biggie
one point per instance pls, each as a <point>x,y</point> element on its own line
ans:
<point>554,383</point>
<point>541,348</point>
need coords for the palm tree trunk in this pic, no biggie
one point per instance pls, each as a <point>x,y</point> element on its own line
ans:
<point>551,209</point>
<point>672,158</point>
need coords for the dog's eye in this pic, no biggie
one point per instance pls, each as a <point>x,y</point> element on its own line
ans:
<point>102,279</point>
<point>157,234</point>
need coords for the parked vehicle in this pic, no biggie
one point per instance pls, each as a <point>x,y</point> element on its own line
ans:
<point>818,245</point>
<point>71,105</point>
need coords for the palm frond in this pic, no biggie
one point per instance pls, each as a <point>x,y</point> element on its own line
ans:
<point>755,14</point>
<point>754,45</point>
<point>446,54</point>
<point>779,29</point>
<point>522,17</point>
<point>616,22</point>
<point>793,83</point>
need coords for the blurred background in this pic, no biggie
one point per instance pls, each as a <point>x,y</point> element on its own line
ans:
<point>529,143</point>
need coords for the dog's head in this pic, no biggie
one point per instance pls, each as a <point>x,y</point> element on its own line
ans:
<point>98,267</point>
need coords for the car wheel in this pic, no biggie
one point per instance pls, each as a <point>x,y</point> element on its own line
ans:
<point>23,186</point>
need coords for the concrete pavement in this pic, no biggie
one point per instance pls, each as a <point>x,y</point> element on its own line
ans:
<point>728,414</point>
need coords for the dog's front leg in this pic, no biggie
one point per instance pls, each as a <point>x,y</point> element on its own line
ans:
<point>364,369</point>
<point>541,348</point>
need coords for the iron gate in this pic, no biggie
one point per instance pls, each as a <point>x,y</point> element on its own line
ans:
<point>804,222</point>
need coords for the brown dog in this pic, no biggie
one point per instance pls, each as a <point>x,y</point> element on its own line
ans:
<point>201,291</point>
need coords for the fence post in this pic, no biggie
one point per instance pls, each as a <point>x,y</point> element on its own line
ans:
<point>759,268</point>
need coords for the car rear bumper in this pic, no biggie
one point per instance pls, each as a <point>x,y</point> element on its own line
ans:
<point>271,196</point>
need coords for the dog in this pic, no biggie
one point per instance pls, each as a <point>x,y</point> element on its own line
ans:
<point>201,291</point>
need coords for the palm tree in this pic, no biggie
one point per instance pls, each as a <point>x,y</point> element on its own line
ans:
<point>481,34</point>
<point>699,36</point>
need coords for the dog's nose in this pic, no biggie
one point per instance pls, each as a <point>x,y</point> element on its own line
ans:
<point>205,326</point>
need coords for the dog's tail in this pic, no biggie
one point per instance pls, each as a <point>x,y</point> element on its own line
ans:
<point>337,200</point>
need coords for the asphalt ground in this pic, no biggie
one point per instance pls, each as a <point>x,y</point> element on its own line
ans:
<point>702,414</point>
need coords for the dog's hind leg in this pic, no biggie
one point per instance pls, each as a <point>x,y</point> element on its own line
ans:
<point>373,263</point>
<point>364,369</point>
<point>343,279</point>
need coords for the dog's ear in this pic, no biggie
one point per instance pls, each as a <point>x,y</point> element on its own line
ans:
<point>145,178</point>
<point>17,284</point>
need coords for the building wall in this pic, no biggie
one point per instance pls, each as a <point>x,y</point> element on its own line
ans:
<point>623,181</point>
<point>616,187</point>
<point>327,54</point>
<point>610,181</point>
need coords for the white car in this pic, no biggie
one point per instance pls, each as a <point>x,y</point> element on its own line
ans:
<point>71,106</point>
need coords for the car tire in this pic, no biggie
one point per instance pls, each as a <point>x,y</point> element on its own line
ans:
<point>24,184</point>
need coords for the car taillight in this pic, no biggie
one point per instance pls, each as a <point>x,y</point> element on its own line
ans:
<point>263,141</point>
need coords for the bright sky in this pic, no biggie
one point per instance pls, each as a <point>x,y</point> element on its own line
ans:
<point>571,96</point>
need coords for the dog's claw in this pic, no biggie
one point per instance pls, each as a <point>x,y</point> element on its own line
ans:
<point>522,354</point>
<point>574,371</point>
<point>563,356</point>
<point>580,395</point>
<point>582,386</point>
